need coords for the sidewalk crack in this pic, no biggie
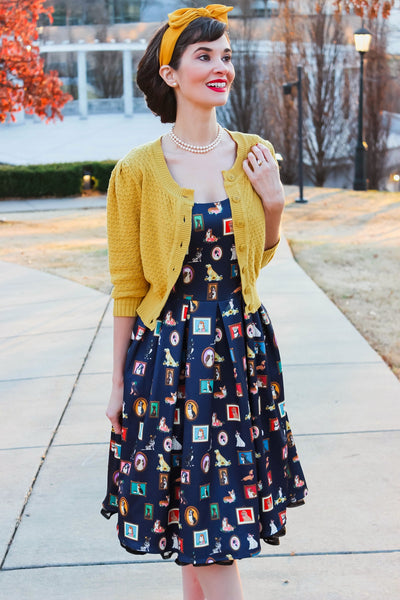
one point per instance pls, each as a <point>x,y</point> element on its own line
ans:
<point>116,563</point>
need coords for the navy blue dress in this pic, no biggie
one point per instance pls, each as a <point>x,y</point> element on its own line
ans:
<point>206,464</point>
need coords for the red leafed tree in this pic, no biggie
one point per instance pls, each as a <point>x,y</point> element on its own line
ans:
<point>23,82</point>
<point>370,9</point>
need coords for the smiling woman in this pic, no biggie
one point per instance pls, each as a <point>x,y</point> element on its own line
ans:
<point>192,219</point>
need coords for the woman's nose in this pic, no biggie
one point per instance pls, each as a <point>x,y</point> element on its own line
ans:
<point>221,66</point>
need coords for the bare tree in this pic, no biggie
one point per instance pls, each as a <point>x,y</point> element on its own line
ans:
<point>107,69</point>
<point>392,100</point>
<point>328,100</point>
<point>376,122</point>
<point>281,114</point>
<point>245,110</point>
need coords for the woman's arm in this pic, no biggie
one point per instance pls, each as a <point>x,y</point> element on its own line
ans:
<point>123,234</point>
<point>263,172</point>
<point>126,271</point>
<point>122,335</point>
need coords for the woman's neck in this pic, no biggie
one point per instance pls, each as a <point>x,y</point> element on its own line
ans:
<point>199,128</point>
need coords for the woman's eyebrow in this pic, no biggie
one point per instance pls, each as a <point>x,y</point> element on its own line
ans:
<point>205,49</point>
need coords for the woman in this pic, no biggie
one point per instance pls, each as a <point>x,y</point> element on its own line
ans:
<point>192,219</point>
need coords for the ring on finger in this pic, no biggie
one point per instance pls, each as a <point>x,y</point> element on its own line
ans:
<point>259,162</point>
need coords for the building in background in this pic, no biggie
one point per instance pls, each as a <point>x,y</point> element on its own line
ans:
<point>95,45</point>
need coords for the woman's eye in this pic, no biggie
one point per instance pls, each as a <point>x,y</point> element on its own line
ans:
<point>204,57</point>
<point>227,58</point>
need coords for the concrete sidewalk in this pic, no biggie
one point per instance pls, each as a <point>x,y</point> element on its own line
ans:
<point>55,363</point>
<point>17,207</point>
<point>100,137</point>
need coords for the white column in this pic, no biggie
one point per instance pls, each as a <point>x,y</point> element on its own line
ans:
<point>128,84</point>
<point>82,84</point>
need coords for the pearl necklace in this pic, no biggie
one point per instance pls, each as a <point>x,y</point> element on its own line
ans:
<point>197,149</point>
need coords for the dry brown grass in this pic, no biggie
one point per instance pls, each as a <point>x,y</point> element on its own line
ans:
<point>71,244</point>
<point>348,242</point>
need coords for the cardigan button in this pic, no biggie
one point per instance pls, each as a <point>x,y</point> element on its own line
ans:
<point>242,247</point>
<point>240,224</point>
<point>236,198</point>
<point>244,269</point>
<point>247,291</point>
<point>231,177</point>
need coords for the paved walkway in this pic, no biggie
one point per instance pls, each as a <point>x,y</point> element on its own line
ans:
<point>100,137</point>
<point>55,360</point>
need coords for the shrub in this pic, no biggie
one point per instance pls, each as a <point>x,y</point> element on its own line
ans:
<point>59,179</point>
<point>102,171</point>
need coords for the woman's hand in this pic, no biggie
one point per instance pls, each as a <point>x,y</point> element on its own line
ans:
<point>114,409</point>
<point>263,173</point>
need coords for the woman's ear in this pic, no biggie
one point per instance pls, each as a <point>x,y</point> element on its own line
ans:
<point>168,74</point>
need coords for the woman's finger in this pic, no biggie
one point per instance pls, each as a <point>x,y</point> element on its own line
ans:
<point>116,426</point>
<point>254,161</point>
<point>267,155</point>
<point>247,168</point>
<point>257,151</point>
<point>115,420</point>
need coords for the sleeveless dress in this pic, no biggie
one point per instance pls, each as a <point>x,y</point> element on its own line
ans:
<point>206,464</point>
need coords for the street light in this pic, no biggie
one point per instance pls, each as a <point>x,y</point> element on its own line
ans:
<point>362,41</point>
<point>287,89</point>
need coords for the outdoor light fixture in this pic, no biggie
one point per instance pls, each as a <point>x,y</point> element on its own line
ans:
<point>362,41</point>
<point>395,178</point>
<point>287,89</point>
<point>86,180</point>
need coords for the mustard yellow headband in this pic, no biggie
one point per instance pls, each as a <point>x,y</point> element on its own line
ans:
<point>180,19</point>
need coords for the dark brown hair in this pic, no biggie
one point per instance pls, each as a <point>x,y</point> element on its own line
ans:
<point>160,97</point>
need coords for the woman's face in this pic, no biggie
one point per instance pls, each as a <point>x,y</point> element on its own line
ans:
<point>205,73</point>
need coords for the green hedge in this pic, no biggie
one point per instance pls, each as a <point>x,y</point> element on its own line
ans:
<point>63,179</point>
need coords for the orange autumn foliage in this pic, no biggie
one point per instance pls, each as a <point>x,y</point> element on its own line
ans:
<point>23,82</point>
<point>369,9</point>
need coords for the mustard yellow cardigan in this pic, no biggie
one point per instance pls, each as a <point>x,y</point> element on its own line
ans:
<point>149,224</point>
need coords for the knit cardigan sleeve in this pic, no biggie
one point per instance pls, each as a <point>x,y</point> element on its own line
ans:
<point>123,232</point>
<point>268,255</point>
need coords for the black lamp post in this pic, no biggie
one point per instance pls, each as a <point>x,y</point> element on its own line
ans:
<point>362,41</point>
<point>287,89</point>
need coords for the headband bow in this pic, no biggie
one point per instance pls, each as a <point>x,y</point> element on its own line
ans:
<point>180,19</point>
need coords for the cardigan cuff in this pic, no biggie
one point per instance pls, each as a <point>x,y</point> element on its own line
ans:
<point>126,307</point>
<point>268,254</point>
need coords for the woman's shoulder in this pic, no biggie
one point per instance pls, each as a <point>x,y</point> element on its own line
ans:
<point>136,159</point>
<point>246,140</point>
